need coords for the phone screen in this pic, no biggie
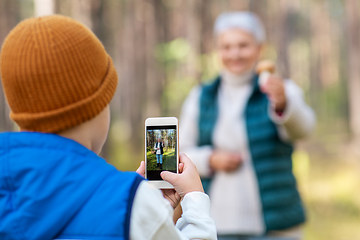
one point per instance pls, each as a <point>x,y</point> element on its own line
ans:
<point>161,150</point>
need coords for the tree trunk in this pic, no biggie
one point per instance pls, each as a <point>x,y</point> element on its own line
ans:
<point>9,15</point>
<point>156,32</point>
<point>353,44</point>
<point>81,11</point>
<point>133,77</point>
<point>283,38</point>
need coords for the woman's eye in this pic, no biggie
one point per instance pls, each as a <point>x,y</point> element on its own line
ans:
<point>225,47</point>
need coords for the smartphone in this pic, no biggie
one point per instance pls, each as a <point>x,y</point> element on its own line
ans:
<point>161,149</point>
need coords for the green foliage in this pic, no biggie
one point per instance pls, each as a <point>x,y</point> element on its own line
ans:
<point>177,57</point>
<point>176,50</point>
<point>210,66</point>
<point>175,93</point>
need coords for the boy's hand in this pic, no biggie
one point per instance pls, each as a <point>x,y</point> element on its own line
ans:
<point>275,90</point>
<point>187,181</point>
<point>170,194</point>
<point>225,161</point>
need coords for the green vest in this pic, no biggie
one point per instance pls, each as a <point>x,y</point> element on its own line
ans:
<point>281,204</point>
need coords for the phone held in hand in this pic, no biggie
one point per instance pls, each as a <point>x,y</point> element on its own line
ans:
<point>161,149</point>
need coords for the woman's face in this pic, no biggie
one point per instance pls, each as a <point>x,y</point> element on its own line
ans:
<point>238,50</point>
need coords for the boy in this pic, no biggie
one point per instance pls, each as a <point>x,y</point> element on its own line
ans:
<point>58,81</point>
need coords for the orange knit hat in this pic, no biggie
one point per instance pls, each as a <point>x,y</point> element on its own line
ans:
<point>55,73</point>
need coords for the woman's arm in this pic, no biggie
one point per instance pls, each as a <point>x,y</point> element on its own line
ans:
<point>298,119</point>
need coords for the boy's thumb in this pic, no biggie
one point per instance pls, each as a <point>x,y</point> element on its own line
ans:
<point>169,176</point>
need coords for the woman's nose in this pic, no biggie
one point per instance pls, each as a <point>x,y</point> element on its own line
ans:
<point>235,54</point>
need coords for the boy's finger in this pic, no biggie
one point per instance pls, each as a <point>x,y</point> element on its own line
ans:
<point>169,176</point>
<point>141,169</point>
<point>181,167</point>
<point>185,159</point>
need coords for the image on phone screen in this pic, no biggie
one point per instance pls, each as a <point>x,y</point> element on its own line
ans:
<point>161,150</point>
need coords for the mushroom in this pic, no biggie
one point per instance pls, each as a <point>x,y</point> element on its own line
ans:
<point>264,69</point>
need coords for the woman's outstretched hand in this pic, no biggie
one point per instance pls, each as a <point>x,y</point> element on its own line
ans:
<point>275,90</point>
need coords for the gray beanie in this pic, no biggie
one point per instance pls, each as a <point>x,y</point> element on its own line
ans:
<point>246,21</point>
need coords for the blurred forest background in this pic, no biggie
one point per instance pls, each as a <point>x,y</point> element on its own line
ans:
<point>162,48</point>
<point>168,138</point>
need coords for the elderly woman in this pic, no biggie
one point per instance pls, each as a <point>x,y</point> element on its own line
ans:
<point>240,134</point>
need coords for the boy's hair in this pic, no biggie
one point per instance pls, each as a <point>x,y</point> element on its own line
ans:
<point>55,73</point>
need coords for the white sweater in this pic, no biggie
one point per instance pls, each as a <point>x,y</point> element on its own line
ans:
<point>236,206</point>
<point>152,216</point>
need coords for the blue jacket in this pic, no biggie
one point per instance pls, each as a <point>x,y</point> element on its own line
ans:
<point>53,187</point>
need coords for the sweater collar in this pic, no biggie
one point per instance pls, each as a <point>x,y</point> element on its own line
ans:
<point>233,80</point>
